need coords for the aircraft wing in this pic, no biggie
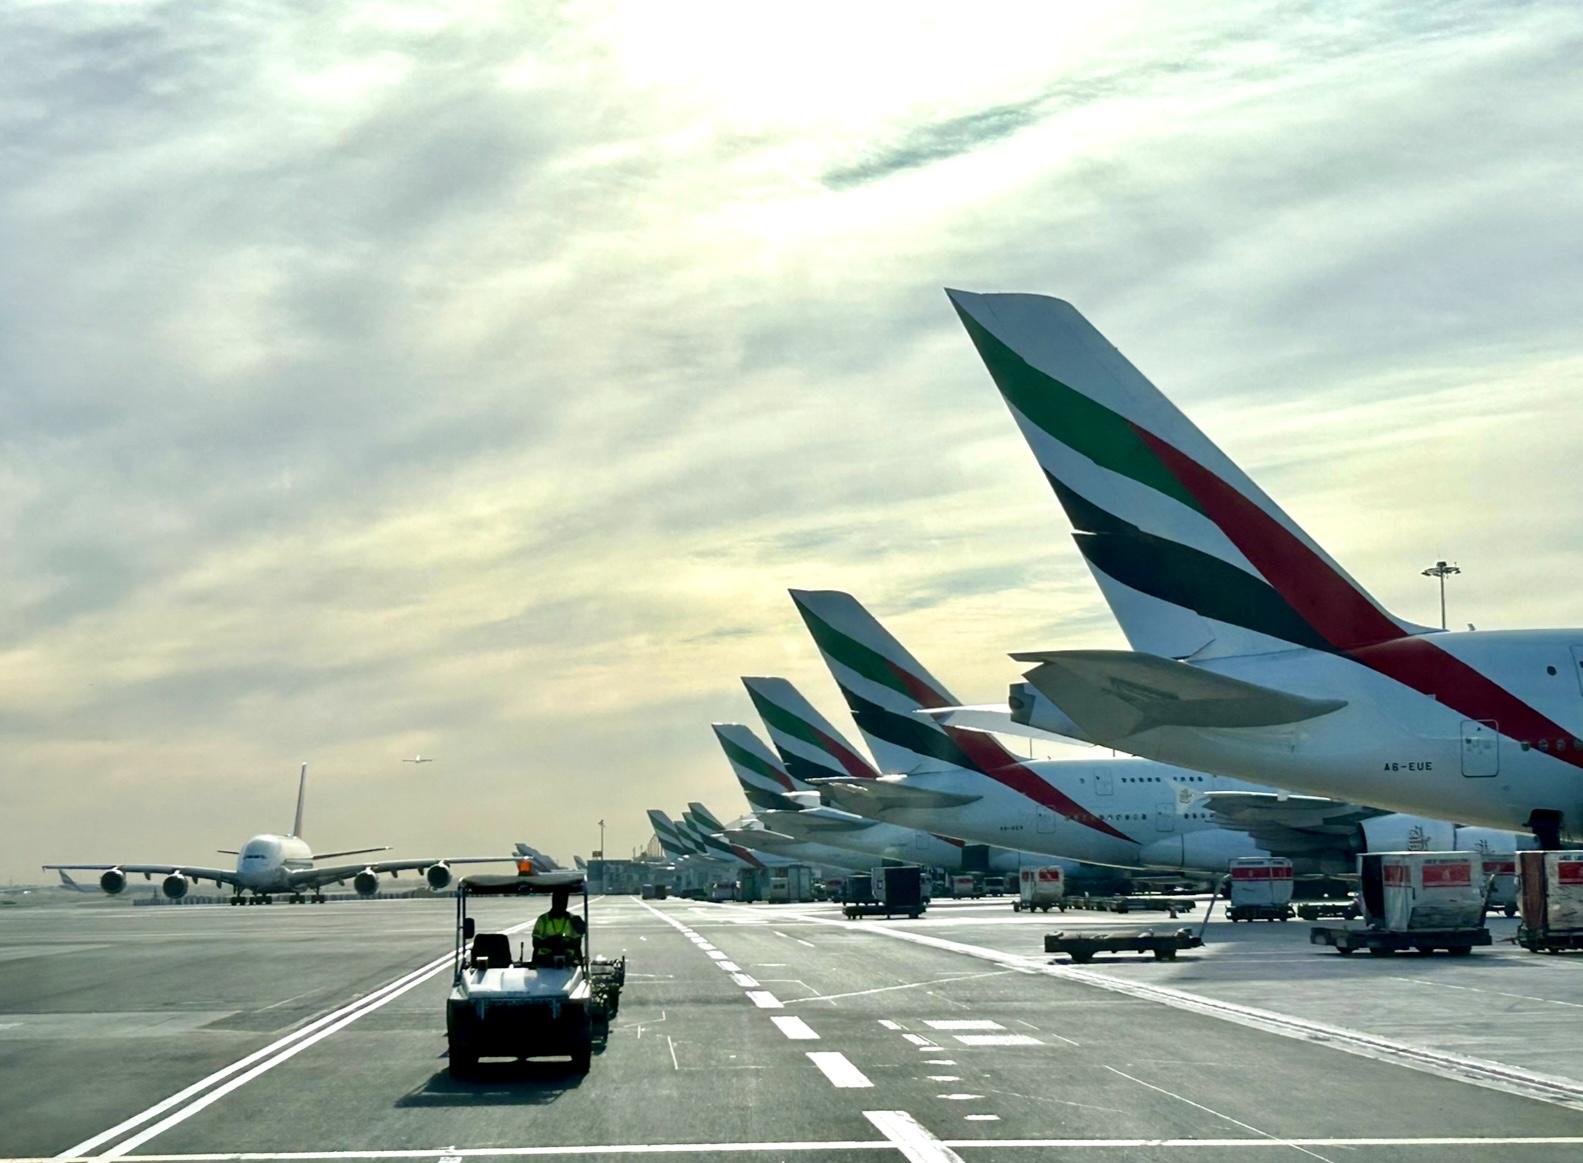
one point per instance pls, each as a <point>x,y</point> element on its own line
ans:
<point>1111,694</point>
<point>191,871</point>
<point>994,718</point>
<point>333,873</point>
<point>1318,814</point>
<point>869,797</point>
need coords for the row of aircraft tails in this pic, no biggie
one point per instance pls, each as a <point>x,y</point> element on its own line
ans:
<point>271,864</point>
<point>1268,706</point>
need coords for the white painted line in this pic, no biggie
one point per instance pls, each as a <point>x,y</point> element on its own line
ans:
<point>964,1024</point>
<point>834,1066</point>
<point>1210,1111</point>
<point>919,1040</point>
<point>959,1097</point>
<point>764,999</point>
<point>716,955</point>
<point>266,1058</point>
<point>800,941</point>
<point>672,1044</point>
<point>705,1149</point>
<point>945,1078</point>
<point>915,1143</point>
<point>890,1025</point>
<point>940,1062</point>
<point>795,1029</point>
<point>997,1040</point>
<point>745,981</point>
<point>969,1118</point>
<point>729,966</point>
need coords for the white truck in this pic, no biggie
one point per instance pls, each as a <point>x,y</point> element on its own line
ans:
<point>1040,888</point>
<point>1261,889</point>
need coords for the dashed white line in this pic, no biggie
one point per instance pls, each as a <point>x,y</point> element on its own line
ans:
<point>919,1040</point>
<point>716,955</point>
<point>915,1143</point>
<point>997,1040</point>
<point>890,1025</point>
<point>982,1118</point>
<point>744,980</point>
<point>729,966</point>
<point>964,1024</point>
<point>795,1028</point>
<point>945,1078</point>
<point>841,1073</point>
<point>764,999</point>
<point>959,1097</point>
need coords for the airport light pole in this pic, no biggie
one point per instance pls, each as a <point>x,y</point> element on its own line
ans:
<point>601,839</point>
<point>1442,570</point>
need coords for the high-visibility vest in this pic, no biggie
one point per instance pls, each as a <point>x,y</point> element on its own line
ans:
<point>550,925</point>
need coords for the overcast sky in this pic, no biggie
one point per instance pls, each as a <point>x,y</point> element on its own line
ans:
<point>475,379</point>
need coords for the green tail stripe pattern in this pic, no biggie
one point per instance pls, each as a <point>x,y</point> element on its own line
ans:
<point>780,719</point>
<point>1182,575</point>
<point>853,655</point>
<point>745,758</point>
<point>1084,425</point>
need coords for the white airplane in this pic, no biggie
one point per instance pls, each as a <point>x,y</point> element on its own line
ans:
<point>1129,813</point>
<point>1253,653</point>
<point>419,759</point>
<point>269,864</point>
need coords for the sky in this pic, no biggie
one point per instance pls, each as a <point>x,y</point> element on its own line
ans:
<point>474,379</point>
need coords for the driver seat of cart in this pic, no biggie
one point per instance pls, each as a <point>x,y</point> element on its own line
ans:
<point>558,934</point>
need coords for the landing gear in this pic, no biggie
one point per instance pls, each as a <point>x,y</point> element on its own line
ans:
<point>1546,825</point>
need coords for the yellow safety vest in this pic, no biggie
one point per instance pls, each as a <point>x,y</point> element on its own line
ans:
<point>548,926</point>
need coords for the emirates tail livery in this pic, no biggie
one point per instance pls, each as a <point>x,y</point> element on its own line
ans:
<point>269,864</point>
<point>1254,654</point>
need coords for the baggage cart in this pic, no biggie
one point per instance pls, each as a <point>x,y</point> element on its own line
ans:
<point>1414,900</point>
<point>1081,947</point>
<point>900,894</point>
<point>1552,901</point>
<point>1500,869</point>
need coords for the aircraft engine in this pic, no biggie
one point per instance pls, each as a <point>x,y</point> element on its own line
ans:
<point>174,886</point>
<point>113,881</point>
<point>1403,833</point>
<point>1210,849</point>
<point>366,883</point>
<point>438,876</point>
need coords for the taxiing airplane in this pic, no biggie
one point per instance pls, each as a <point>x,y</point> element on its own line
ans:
<point>270,863</point>
<point>419,759</point>
<point>1253,653</point>
<point>1125,812</point>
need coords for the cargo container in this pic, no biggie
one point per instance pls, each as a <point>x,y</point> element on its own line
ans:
<point>792,884</point>
<point>1551,888</point>
<point>1260,889</point>
<point>966,884</point>
<point>1040,888</point>
<point>1414,900</point>
<point>898,890</point>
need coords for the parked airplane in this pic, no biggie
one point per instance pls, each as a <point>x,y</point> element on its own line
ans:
<point>419,759</point>
<point>269,864</point>
<point>1130,813</point>
<point>1254,654</point>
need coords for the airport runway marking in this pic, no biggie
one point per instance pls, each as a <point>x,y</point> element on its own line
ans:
<point>997,1039</point>
<point>764,999</point>
<point>1492,992</point>
<point>795,1028</point>
<point>1211,1111</point>
<point>835,1066</point>
<point>744,980</point>
<point>254,1064</point>
<point>914,1141</point>
<point>729,966</point>
<point>920,1041</point>
<point>1474,1071</point>
<point>903,985</point>
<point>962,1024</point>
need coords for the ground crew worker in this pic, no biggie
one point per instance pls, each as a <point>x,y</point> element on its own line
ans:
<point>558,933</point>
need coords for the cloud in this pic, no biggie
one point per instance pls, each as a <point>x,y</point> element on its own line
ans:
<point>383,378</point>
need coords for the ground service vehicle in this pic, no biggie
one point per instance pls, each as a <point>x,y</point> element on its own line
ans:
<point>1040,888</point>
<point>897,891</point>
<point>1552,901</point>
<point>1261,889</point>
<point>547,1005</point>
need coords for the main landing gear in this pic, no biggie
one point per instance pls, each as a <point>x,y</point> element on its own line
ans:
<point>1546,825</point>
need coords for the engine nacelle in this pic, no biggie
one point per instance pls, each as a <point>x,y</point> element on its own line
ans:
<point>1403,833</point>
<point>174,886</point>
<point>113,881</point>
<point>1208,850</point>
<point>438,876</point>
<point>366,883</point>
<point>1493,841</point>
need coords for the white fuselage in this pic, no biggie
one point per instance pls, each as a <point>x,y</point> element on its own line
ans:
<point>887,840</point>
<point>1158,810</point>
<point>1501,737</point>
<point>266,862</point>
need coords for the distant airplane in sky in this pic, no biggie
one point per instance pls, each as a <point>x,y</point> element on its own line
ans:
<point>270,863</point>
<point>419,759</point>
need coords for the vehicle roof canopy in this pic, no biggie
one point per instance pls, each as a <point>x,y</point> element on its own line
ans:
<point>541,882</point>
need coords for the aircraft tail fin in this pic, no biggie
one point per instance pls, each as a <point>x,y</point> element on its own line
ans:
<point>809,745</point>
<point>1192,556</point>
<point>885,687</point>
<point>302,794</point>
<point>668,834</point>
<point>763,778</point>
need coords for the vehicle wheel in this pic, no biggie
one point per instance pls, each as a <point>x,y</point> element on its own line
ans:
<point>464,1063</point>
<point>1345,950</point>
<point>1510,910</point>
<point>1381,951</point>
<point>1165,954</point>
<point>1460,950</point>
<point>1081,958</point>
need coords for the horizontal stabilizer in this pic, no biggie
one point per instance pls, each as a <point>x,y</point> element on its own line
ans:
<point>763,839</point>
<point>814,824</point>
<point>872,797</point>
<point>1112,694</point>
<point>996,719</point>
<point>1312,814</point>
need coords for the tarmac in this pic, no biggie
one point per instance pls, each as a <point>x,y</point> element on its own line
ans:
<point>776,1032</point>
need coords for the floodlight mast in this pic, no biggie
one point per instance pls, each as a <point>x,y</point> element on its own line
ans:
<point>1442,570</point>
